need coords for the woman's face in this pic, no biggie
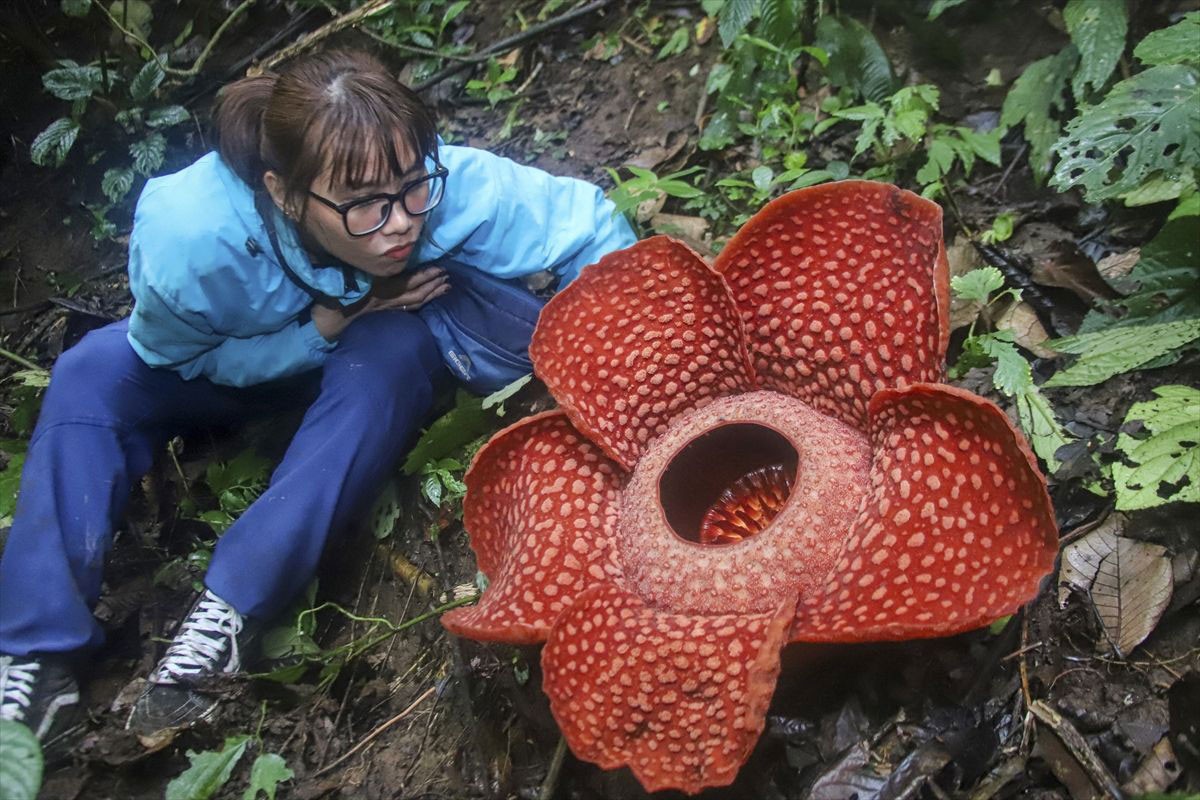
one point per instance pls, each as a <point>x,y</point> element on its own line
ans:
<point>382,253</point>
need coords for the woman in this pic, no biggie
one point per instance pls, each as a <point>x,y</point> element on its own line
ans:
<point>283,268</point>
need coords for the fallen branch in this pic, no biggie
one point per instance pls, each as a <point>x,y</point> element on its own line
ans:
<point>550,784</point>
<point>371,736</point>
<point>346,20</point>
<point>1079,749</point>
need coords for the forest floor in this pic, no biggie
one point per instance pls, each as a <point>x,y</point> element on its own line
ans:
<point>421,714</point>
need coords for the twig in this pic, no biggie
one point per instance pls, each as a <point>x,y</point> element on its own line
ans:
<point>194,69</point>
<point>371,736</point>
<point>27,364</point>
<point>629,116</point>
<point>346,20</point>
<point>1023,664</point>
<point>552,772</point>
<point>509,43</point>
<point>1008,170</point>
<point>1073,740</point>
<point>1022,651</point>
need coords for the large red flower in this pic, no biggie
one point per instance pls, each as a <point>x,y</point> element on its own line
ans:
<point>748,453</point>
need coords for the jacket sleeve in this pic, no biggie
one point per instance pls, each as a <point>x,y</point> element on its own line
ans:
<point>511,220</point>
<point>166,335</point>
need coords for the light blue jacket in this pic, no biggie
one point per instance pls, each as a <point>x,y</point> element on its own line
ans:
<point>212,299</point>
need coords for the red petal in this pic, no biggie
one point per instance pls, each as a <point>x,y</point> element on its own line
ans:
<point>680,699</point>
<point>957,532</point>
<point>541,508</point>
<point>844,289</point>
<point>646,333</point>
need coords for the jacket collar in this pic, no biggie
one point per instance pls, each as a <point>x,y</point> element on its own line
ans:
<point>334,279</point>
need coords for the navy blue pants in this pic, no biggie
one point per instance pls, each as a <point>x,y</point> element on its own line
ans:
<point>105,417</point>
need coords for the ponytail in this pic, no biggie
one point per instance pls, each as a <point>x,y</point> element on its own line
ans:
<point>238,115</point>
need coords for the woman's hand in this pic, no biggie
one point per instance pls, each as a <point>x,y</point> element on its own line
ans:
<point>405,292</point>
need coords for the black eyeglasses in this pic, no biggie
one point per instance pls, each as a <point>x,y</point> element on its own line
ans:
<point>365,215</point>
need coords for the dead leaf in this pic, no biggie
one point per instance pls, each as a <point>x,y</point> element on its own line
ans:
<point>1118,265</point>
<point>1131,591</point>
<point>648,208</point>
<point>510,58</point>
<point>693,231</point>
<point>705,28</point>
<point>1027,329</point>
<point>1158,771</point>
<point>1062,265</point>
<point>1081,558</point>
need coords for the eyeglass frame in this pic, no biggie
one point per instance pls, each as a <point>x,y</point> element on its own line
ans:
<point>343,209</point>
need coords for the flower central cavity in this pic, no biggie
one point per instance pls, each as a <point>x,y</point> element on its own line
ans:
<point>728,510</point>
<point>727,484</point>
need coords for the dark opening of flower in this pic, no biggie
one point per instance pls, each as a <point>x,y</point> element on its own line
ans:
<point>748,453</point>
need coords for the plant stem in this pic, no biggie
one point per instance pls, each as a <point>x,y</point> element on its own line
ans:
<point>24,362</point>
<point>194,69</point>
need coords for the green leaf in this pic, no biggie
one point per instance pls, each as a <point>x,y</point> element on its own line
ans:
<point>10,484</point>
<point>20,762</point>
<point>167,116</point>
<point>777,19</point>
<point>1147,124</point>
<point>51,146</point>
<point>75,8</point>
<point>116,183</point>
<point>1097,29</point>
<point>247,469</point>
<point>855,58</point>
<point>1037,419</point>
<point>1107,353</point>
<point>148,153</point>
<point>735,16</point>
<point>1174,45</point>
<point>1034,98</point>
<point>269,770</point>
<point>1189,206</point>
<point>1165,467</point>
<point>73,82</point>
<point>463,423</point>
<point>941,158</point>
<point>1013,374</point>
<point>941,6</point>
<point>978,284</point>
<point>209,771</point>
<point>431,487</point>
<point>148,79</point>
<point>678,43</point>
<point>496,399</point>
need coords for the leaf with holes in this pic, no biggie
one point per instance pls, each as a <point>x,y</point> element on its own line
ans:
<point>1097,29</point>
<point>20,762</point>
<point>1173,45</point>
<point>148,153</point>
<point>1034,100</point>
<point>1165,467</point>
<point>1130,592</point>
<point>1146,126</point>
<point>1111,352</point>
<point>51,146</point>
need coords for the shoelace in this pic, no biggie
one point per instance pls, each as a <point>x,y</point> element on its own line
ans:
<point>201,642</point>
<point>16,687</point>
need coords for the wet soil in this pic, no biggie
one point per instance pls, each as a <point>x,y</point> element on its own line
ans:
<point>437,717</point>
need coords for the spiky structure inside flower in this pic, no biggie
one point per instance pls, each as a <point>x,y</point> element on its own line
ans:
<point>747,454</point>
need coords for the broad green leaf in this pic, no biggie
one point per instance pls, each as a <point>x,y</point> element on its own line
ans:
<point>678,43</point>
<point>20,762</point>
<point>51,146</point>
<point>148,153</point>
<point>986,145</point>
<point>463,423</point>
<point>1178,44</point>
<point>1013,374</point>
<point>1097,29</point>
<point>1164,285</point>
<point>1189,206</point>
<point>10,484</point>
<point>855,58</point>
<point>1033,101</point>
<point>1037,419</point>
<point>1107,353</point>
<point>941,158</point>
<point>1147,125</point>
<point>167,116</point>
<point>209,771</point>
<point>116,183</point>
<point>149,78</point>
<point>777,19</point>
<point>735,16</point>
<point>1166,466</point>
<point>496,399</point>
<point>269,770</point>
<point>1159,188</point>
<point>246,469</point>
<point>978,284</point>
<point>939,7</point>
<point>75,8</point>
<point>73,82</point>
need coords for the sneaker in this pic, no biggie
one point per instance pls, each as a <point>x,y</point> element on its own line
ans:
<point>42,694</point>
<point>210,643</point>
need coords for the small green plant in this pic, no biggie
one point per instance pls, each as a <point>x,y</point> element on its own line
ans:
<point>646,186</point>
<point>494,86</point>
<point>1013,376</point>
<point>210,770</point>
<point>1161,463</point>
<point>1001,230</point>
<point>20,762</point>
<point>235,484</point>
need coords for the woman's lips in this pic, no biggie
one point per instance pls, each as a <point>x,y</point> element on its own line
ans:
<point>399,253</point>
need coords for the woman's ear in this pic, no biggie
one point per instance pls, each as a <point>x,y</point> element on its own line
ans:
<point>274,186</point>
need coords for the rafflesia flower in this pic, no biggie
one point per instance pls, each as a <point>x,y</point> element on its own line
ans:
<point>747,454</point>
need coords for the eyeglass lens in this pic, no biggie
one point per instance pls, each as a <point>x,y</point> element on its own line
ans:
<point>417,198</point>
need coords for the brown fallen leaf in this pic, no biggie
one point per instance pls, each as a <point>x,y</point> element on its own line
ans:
<point>1158,771</point>
<point>693,231</point>
<point>1063,266</point>
<point>1027,329</point>
<point>1081,558</point>
<point>1118,265</point>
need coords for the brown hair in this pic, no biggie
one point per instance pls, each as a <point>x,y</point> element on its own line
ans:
<point>339,109</point>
